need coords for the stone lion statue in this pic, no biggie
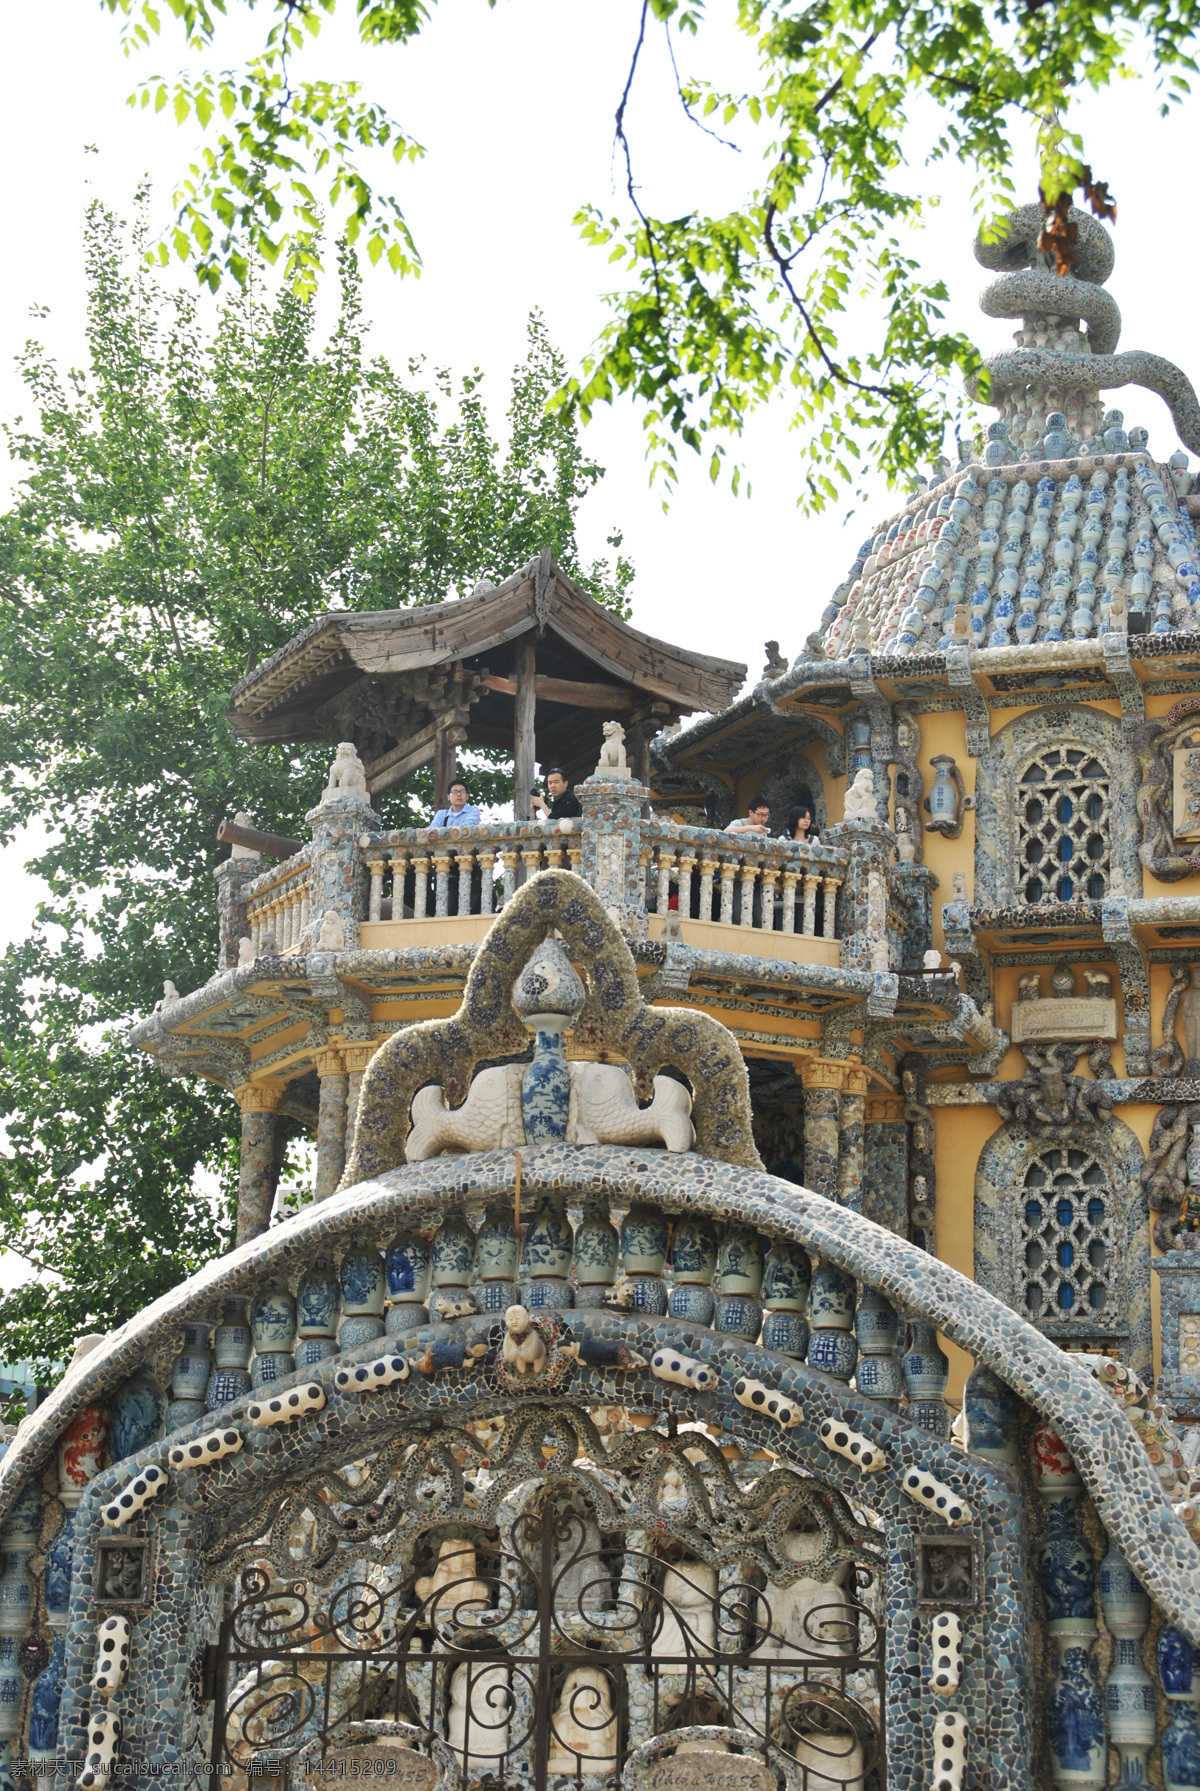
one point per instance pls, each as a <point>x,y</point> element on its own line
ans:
<point>613,762</point>
<point>346,776</point>
<point>860,797</point>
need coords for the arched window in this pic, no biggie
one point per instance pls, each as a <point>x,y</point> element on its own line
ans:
<point>1068,1241</point>
<point>1064,851</point>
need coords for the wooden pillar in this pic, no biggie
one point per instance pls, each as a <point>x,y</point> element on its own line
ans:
<point>524,744</point>
<point>445,764</point>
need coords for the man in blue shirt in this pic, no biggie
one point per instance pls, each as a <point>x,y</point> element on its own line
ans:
<point>460,812</point>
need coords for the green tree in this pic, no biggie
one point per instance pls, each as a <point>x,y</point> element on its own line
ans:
<point>187,504</point>
<point>721,311</point>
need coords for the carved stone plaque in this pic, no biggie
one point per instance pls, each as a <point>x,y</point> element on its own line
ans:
<point>1186,793</point>
<point>1069,1017</point>
<point>385,1760</point>
<point>709,1771</point>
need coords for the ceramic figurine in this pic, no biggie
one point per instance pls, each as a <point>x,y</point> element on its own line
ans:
<point>687,1624</point>
<point>583,1729</point>
<point>477,1725</point>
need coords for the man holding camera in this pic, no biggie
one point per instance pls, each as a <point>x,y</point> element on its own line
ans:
<point>563,804</point>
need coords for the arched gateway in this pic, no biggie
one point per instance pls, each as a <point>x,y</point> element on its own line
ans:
<point>544,1513</point>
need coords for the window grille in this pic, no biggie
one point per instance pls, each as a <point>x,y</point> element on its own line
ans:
<point>1067,1241</point>
<point>1063,847</point>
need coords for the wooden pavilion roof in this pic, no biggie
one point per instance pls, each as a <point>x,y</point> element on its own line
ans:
<point>393,680</point>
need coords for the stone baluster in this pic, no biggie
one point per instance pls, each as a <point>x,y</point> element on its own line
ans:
<point>811,885</point>
<point>531,860</point>
<point>273,1333</point>
<point>305,911</point>
<point>331,1120</point>
<point>508,860</point>
<point>466,878</point>
<point>830,885</point>
<point>441,865</point>
<point>693,1266</point>
<point>400,862</point>
<point>375,902</point>
<point>317,1300</point>
<point>787,1279</point>
<point>597,1249</point>
<point>1129,1689</point>
<point>362,1288</point>
<point>708,869</point>
<point>643,1259</point>
<point>876,1327</point>
<point>232,1344</point>
<point>832,1345</point>
<point>687,864</point>
<point>420,865</point>
<point>749,876</point>
<point>1180,1744</point>
<point>258,1158</point>
<point>851,1131</point>
<point>666,864</point>
<point>787,918</point>
<point>739,1283</point>
<point>729,871</point>
<point>575,857</point>
<point>770,878</point>
<point>926,1371</point>
<point>823,1082</point>
<point>1075,1706</point>
<point>356,1057</point>
<point>287,936</point>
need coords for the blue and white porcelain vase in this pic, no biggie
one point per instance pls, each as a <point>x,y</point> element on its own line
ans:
<point>16,1593</point>
<point>693,1302</point>
<point>44,1706</point>
<point>876,1323</point>
<point>834,1351</point>
<point>1125,1605</point>
<point>1132,1711</point>
<point>404,1316</point>
<point>193,1364</point>
<point>181,1412</point>
<point>310,1352</point>
<point>58,1573</point>
<point>139,1414</point>
<point>408,1268</point>
<point>232,1342</point>
<point>879,1377</point>
<point>11,1686</point>
<point>597,1248</point>
<point>787,1278</point>
<point>225,1385</point>
<point>497,1246</point>
<point>453,1252</point>
<point>785,1331</point>
<point>1066,1568</point>
<point>270,1366</point>
<point>492,1297</point>
<point>360,1327</point>
<point>831,1302</point>
<point>740,1262</point>
<point>693,1252</point>
<point>926,1365</point>
<point>317,1302</point>
<point>644,1232</point>
<point>273,1318</point>
<point>1075,1719</point>
<point>648,1295</point>
<point>738,1315</point>
<point>548,995</point>
<point>548,1243</point>
<point>993,1415</point>
<point>1180,1744</point>
<point>546,1293</point>
<point>360,1277</point>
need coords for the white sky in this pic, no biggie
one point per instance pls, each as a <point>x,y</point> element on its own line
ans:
<point>515,108</point>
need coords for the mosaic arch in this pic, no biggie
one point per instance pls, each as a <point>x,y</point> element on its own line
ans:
<point>1016,771</point>
<point>1062,1235</point>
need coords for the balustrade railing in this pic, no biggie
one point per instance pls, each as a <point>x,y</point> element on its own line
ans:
<point>742,880</point>
<point>420,873</point>
<point>277,907</point>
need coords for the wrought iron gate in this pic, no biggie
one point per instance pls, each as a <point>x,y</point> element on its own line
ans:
<point>547,1648</point>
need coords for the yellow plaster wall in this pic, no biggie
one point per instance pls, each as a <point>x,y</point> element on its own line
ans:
<point>961,1133</point>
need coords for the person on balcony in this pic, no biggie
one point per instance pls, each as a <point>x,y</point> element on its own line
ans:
<point>460,811</point>
<point>757,818</point>
<point>563,804</point>
<point>800,826</point>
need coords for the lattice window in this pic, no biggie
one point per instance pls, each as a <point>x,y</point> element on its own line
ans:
<point>1063,847</point>
<point>1068,1242</point>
